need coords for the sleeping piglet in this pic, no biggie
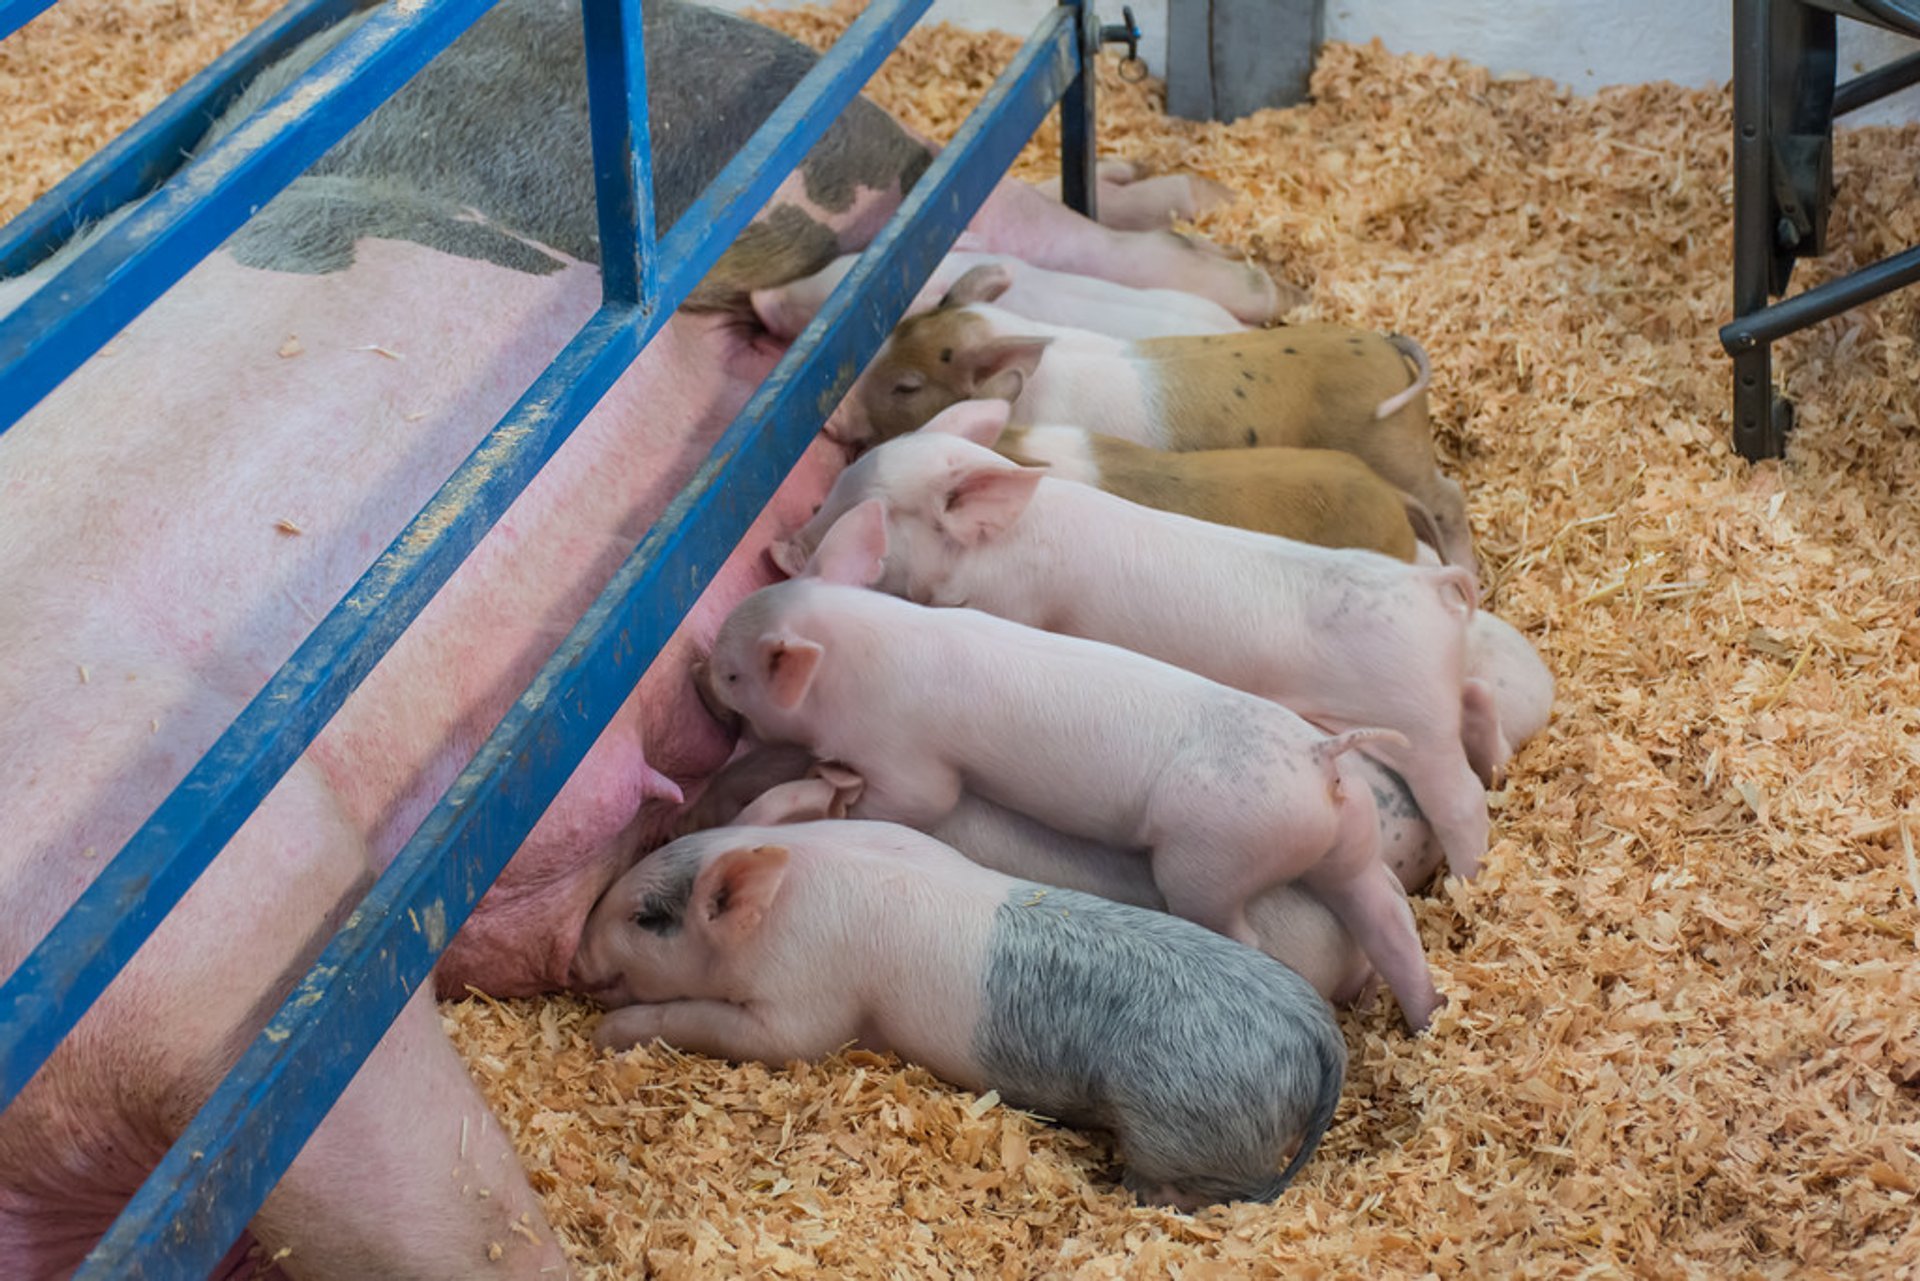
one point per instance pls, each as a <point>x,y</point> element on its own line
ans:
<point>1312,386</point>
<point>1292,926</point>
<point>1209,1061</point>
<point>1051,297</point>
<point>1228,794</point>
<point>1344,638</point>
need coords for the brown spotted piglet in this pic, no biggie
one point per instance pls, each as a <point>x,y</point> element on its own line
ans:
<point>1310,386</point>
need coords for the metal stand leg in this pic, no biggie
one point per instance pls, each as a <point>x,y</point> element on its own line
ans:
<point>1078,187</point>
<point>1754,429</point>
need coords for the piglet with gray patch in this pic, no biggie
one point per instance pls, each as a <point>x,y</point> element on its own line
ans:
<point>1209,1061</point>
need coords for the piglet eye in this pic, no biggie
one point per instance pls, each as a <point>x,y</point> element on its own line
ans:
<point>732,677</point>
<point>655,919</point>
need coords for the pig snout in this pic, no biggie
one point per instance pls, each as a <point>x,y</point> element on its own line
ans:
<point>702,676</point>
<point>594,975</point>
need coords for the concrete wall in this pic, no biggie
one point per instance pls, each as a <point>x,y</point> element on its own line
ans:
<point>1585,46</point>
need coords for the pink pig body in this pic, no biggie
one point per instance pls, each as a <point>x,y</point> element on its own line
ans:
<point>1344,638</point>
<point>1229,794</point>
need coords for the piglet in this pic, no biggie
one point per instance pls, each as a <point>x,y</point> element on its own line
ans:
<point>1293,927</point>
<point>1313,386</point>
<point>1035,293</point>
<point>1345,638</point>
<point>1208,1061</point>
<point>1228,794</point>
<point>1321,496</point>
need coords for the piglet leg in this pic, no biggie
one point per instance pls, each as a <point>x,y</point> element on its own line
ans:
<point>1449,793</point>
<point>1129,202</point>
<point>718,1029</point>
<point>409,1176</point>
<point>1372,905</point>
<point>1018,219</point>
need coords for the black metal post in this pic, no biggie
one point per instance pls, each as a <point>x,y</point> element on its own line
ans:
<point>1756,434</point>
<point>1078,186</point>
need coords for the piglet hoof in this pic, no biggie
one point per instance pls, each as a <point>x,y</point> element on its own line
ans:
<point>1252,295</point>
<point>1169,1196</point>
<point>1288,297</point>
<point>1419,1015</point>
<point>1208,195</point>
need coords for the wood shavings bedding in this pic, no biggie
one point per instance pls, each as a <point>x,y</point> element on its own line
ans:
<point>1684,1037</point>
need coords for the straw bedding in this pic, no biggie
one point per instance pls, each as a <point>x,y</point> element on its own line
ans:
<point>1684,1030</point>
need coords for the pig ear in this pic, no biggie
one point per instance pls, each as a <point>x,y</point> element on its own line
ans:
<point>803,800</point>
<point>733,892</point>
<point>855,549</point>
<point>788,664</point>
<point>982,284</point>
<point>983,501</point>
<point>786,556</point>
<point>999,367</point>
<point>980,421</point>
<point>847,785</point>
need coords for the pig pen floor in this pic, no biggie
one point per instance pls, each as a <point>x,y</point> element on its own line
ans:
<point>1684,1030</point>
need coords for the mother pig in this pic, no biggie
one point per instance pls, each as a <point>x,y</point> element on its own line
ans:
<point>180,512</point>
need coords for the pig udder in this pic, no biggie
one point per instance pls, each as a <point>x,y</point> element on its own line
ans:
<point>623,799</point>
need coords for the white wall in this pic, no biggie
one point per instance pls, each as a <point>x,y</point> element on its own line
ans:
<point>1585,46</point>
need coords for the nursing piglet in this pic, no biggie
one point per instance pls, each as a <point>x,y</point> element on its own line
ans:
<point>1208,1061</point>
<point>1228,794</point>
<point>1344,638</point>
<point>1035,293</point>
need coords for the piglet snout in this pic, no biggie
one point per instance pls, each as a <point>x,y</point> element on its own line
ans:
<point>703,685</point>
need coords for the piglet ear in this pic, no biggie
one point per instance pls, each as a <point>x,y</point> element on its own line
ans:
<point>732,894</point>
<point>854,552</point>
<point>804,800</point>
<point>999,367</point>
<point>786,556</point>
<point>983,502</point>
<point>788,664</point>
<point>980,421</point>
<point>982,284</point>
<point>847,785</point>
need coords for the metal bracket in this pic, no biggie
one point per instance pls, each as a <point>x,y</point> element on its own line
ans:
<point>1127,32</point>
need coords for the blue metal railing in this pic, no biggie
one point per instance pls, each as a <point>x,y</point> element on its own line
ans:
<point>214,1179</point>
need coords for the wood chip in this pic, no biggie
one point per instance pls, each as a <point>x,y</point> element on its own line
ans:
<point>292,347</point>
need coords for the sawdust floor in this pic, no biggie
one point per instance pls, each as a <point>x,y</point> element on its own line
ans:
<point>1684,1030</point>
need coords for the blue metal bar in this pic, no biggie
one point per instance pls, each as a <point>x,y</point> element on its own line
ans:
<point>114,279</point>
<point>213,1180</point>
<point>53,987</point>
<point>140,159</point>
<point>622,150</point>
<point>15,14</point>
